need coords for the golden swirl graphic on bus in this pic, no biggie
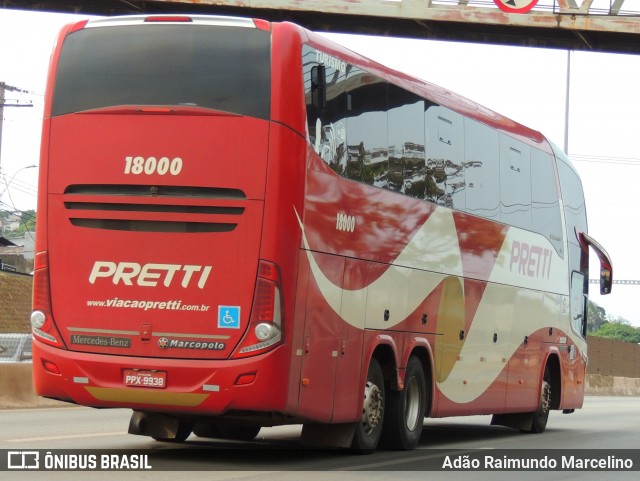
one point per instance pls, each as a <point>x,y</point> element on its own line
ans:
<point>451,324</point>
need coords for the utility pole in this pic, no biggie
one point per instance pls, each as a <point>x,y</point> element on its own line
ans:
<point>566,108</point>
<point>3,103</point>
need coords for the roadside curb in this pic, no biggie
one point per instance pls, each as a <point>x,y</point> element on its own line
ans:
<point>599,385</point>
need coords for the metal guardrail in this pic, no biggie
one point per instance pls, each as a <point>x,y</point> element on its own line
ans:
<point>628,282</point>
<point>15,347</point>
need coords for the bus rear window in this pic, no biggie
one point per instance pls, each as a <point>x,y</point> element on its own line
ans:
<point>215,67</point>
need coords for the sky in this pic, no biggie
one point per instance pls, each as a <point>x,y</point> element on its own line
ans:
<point>526,84</point>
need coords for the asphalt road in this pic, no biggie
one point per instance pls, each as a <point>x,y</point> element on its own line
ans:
<point>606,423</point>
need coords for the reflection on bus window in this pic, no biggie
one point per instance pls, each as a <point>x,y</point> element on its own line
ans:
<point>367,147</point>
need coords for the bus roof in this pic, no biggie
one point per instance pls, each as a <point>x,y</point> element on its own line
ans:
<point>433,92</point>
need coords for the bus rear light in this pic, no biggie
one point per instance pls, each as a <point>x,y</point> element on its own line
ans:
<point>42,324</point>
<point>168,18</point>
<point>156,110</point>
<point>265,323</point>
<point>265,331</point>
<point>38,318</point>
<point>47,333</point>
<point>244,379</point>
<point>50,367</point>
<point>41,260</point>
<point>269,271</point>
<point>264,300</point>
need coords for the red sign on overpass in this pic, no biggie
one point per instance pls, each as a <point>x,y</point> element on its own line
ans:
<point>516,6</point>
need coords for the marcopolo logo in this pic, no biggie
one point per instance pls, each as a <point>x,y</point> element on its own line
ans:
<point>165,343</point>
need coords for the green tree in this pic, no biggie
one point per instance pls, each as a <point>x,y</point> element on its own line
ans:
<point>596,317</point>
<point>28,220</point>
<point>619,329</point>
<point>27,223</point>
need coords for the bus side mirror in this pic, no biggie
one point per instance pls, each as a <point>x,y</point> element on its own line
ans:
<point>605,280</point>
<point>606,267</point>
<point>318,87</point>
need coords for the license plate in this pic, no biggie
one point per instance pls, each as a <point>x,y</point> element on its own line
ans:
<point>156,379</point>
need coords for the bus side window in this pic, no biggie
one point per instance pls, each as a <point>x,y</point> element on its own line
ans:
<point>318,87</point>
<point>407,167</point>
<point>482,170</point>
<point>325,99</point>
<point>515,182</point>
<point>367,145</point>
<point>574,211</point>
<point>545,212</point>
<point>578,318</point>
<point>444,152</point>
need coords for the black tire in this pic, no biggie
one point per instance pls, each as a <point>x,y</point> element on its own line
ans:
<point>184,431</point>
<point>206,430</point>
<point>404,415</point>
<point>225,430</point>
<point>369,427</point>
<point>541,416</point>
<point>239,432</point>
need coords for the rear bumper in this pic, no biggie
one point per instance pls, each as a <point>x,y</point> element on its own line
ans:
<point>192,386</point>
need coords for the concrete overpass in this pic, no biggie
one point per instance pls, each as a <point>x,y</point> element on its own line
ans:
<point>595,25</point>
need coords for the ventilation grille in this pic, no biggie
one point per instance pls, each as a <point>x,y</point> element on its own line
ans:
<point>151,208</point>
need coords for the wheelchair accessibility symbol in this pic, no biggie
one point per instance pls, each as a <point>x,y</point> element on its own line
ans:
<point>229,317</point>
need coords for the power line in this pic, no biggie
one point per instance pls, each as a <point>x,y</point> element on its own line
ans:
<point>5,87</point>
<point>6,175</point>
<point>605,159</point>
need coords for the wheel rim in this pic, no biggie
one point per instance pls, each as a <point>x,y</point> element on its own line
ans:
<point>372,408</point>
<point>545,402</point>
<point>412,405</point>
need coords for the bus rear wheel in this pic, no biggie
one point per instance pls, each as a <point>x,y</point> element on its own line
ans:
<point>541,416</point>
<point>405,409</point>
<point>369,427</point>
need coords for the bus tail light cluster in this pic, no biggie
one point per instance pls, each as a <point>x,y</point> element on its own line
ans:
<point>265,324</point>
<point>42,324</point>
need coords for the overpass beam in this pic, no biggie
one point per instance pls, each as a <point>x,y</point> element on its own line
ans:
<point>616,7</point>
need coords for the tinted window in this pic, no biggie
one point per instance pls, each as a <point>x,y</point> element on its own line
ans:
<point>515,182</point>
<point>573,199</point>
<point>380,134</point>
<point>328,126</point>
<point>407,168</point>
<point>444,151</point>
<point>574,210</point>
<point>545,206</point>
<point>578,301</point>
<point>482,170</point>
<point>367,146</point>
<point>222,68</point>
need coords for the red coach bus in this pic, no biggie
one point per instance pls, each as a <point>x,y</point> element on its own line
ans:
<point>242,224</point>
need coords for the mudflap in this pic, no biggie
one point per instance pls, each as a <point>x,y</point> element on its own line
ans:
<point>156,425</point>
<point>328,435</point>
<point>521,421</point>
